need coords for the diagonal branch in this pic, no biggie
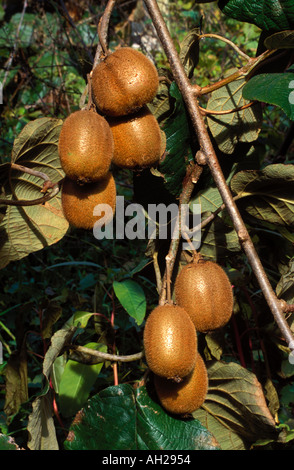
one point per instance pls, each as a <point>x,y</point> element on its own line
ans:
<point>188,93</point>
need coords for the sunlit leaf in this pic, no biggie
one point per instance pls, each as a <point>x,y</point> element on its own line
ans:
<point>132,298</point>
<point>267,194</point>
<point>25,229</point>
<point>273,88</point>
<point>238,126</point>
<point>235,409</point>
<point>77,381</point>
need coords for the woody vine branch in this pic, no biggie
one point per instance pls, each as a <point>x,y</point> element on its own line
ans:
<point>190,94</point>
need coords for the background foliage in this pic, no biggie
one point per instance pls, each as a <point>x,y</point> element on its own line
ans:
<point>96,294</point>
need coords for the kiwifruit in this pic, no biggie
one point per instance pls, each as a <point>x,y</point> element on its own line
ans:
<point>170,342</point>
<point>203,289</point>
<point>187,396</point>
<point>138,140</point>
<point>78,201</point>
<point>85,146</point>
<point>123,82</point>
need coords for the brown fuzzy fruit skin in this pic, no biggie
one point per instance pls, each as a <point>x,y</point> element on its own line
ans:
<point>203,289</point>
<point>185,397</point>
<point>124,82</point>
<point>78,202</point>
<point>85,146</point>
<point>138,141</point>
<point>170,342</point>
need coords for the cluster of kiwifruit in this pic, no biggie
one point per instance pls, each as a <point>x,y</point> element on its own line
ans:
<point>130,81</point>
<point>123,132</point>
<point>203,302</point>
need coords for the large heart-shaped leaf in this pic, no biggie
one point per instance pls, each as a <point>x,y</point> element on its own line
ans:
<point>123,418</point>
<point>235,410</point>
<point>189,51</point>
<point>25,229</point>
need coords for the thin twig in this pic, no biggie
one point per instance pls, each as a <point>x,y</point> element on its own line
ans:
<point>252,64</point>
<point>193,174</point>
<point>206,146</point>
<point>222,38</point>
<point>86,355</point>
<point>228,111</point>
<point>157,271</point>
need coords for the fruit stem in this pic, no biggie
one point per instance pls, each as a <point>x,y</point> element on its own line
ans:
<point>102,30</point>
<point>192,175</point>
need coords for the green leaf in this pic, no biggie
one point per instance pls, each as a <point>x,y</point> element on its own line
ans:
<point>41,428</point>
<point>132,298</point>
<point>273,88</point>
<point>178,144</point>
<point>26,229</point>
<point>77,381</point>
<point>269,15</point>
<point>285,286</point>
<point>9,30</point>
<point>161,104</point>
<point>7,443</point>
<point>235,409</point>
<point>209,199</point>
<point>80,319</point>
<point>280,40</point>
<point>267,194</point>
<point>230,129</point>
<point>159,430</point>
<point>189,51</point>
<point>218,239</point>
<point>122,418</point>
